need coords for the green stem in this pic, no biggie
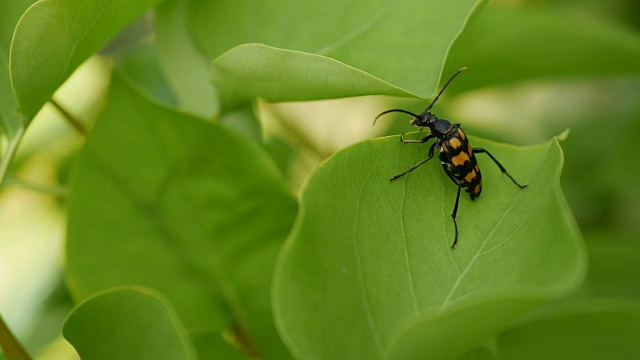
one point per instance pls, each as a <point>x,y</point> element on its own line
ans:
<point>9,344</point>
<point>75,123</point>
<point>10,153</point>
<point>55,190</point>
<point>12,348</point>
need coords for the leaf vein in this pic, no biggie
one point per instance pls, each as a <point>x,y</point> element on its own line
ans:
<point>406,252</point>
<point>478,253</point>
<point>363,292</point>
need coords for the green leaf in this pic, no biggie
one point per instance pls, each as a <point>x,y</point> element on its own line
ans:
<point>10,12</point>
<point>54,37</point>
<point>367,272</point>
<point>128,323</point>
<point>186,207</point>
<point>507,45</point>
<point>251,70</point>
<point>598,331</point>
<point>140,66</point>
<point>390,47</point>
<point>185,66</point>
<point>10,122</point>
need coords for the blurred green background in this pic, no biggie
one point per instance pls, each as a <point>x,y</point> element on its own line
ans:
<point>595,95</point>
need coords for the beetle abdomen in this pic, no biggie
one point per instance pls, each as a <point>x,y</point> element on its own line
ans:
<point>456,154</point>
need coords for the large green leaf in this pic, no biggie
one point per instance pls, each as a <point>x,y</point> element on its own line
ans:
<point>183,206</point>
<point>507,45</point>
<point>385,47</point>
<point>128,323</point>
<point>367,272</point>
<point>54,37</point>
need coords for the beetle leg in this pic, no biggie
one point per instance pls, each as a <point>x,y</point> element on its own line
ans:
<point>504,171</point>
<point>453,216</point>
<point>431,151</point>
<point>455,207</point>
<point>421,141</point>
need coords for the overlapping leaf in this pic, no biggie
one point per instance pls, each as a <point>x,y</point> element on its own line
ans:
<point>54,37</point>
<point>128,323</point>
<point>319,47</point>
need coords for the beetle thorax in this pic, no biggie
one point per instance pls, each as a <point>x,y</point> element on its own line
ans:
<point>441,128</point>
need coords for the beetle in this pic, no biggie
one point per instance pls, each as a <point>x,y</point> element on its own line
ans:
<point>457,156</point>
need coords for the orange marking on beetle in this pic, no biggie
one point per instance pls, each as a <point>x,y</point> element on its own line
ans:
<point>460,159</point>
<point>478,187</point>
<point>477,168</point>
<point>455,142</point>
<point>462,135</point>
<point>470,176</point>
<point>470,149</point>
<point>444,146</point>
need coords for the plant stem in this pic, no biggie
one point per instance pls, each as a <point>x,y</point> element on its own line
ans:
<point>12,348</point>
<point>9,344</point>
<point>51,189</point>
<point>73,121</point>
<point>9,154</point>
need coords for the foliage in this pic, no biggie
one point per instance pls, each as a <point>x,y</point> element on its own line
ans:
<point>184,236</point>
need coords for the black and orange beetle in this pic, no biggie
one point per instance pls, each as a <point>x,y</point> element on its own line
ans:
<point>454,150</point>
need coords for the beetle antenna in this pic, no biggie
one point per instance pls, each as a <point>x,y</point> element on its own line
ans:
<point>444,87</point>
<point>394,110</point>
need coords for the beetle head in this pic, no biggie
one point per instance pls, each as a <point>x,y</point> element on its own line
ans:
<point>426,119</point>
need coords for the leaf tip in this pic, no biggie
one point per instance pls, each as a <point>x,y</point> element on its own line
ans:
<point>563,135</point>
